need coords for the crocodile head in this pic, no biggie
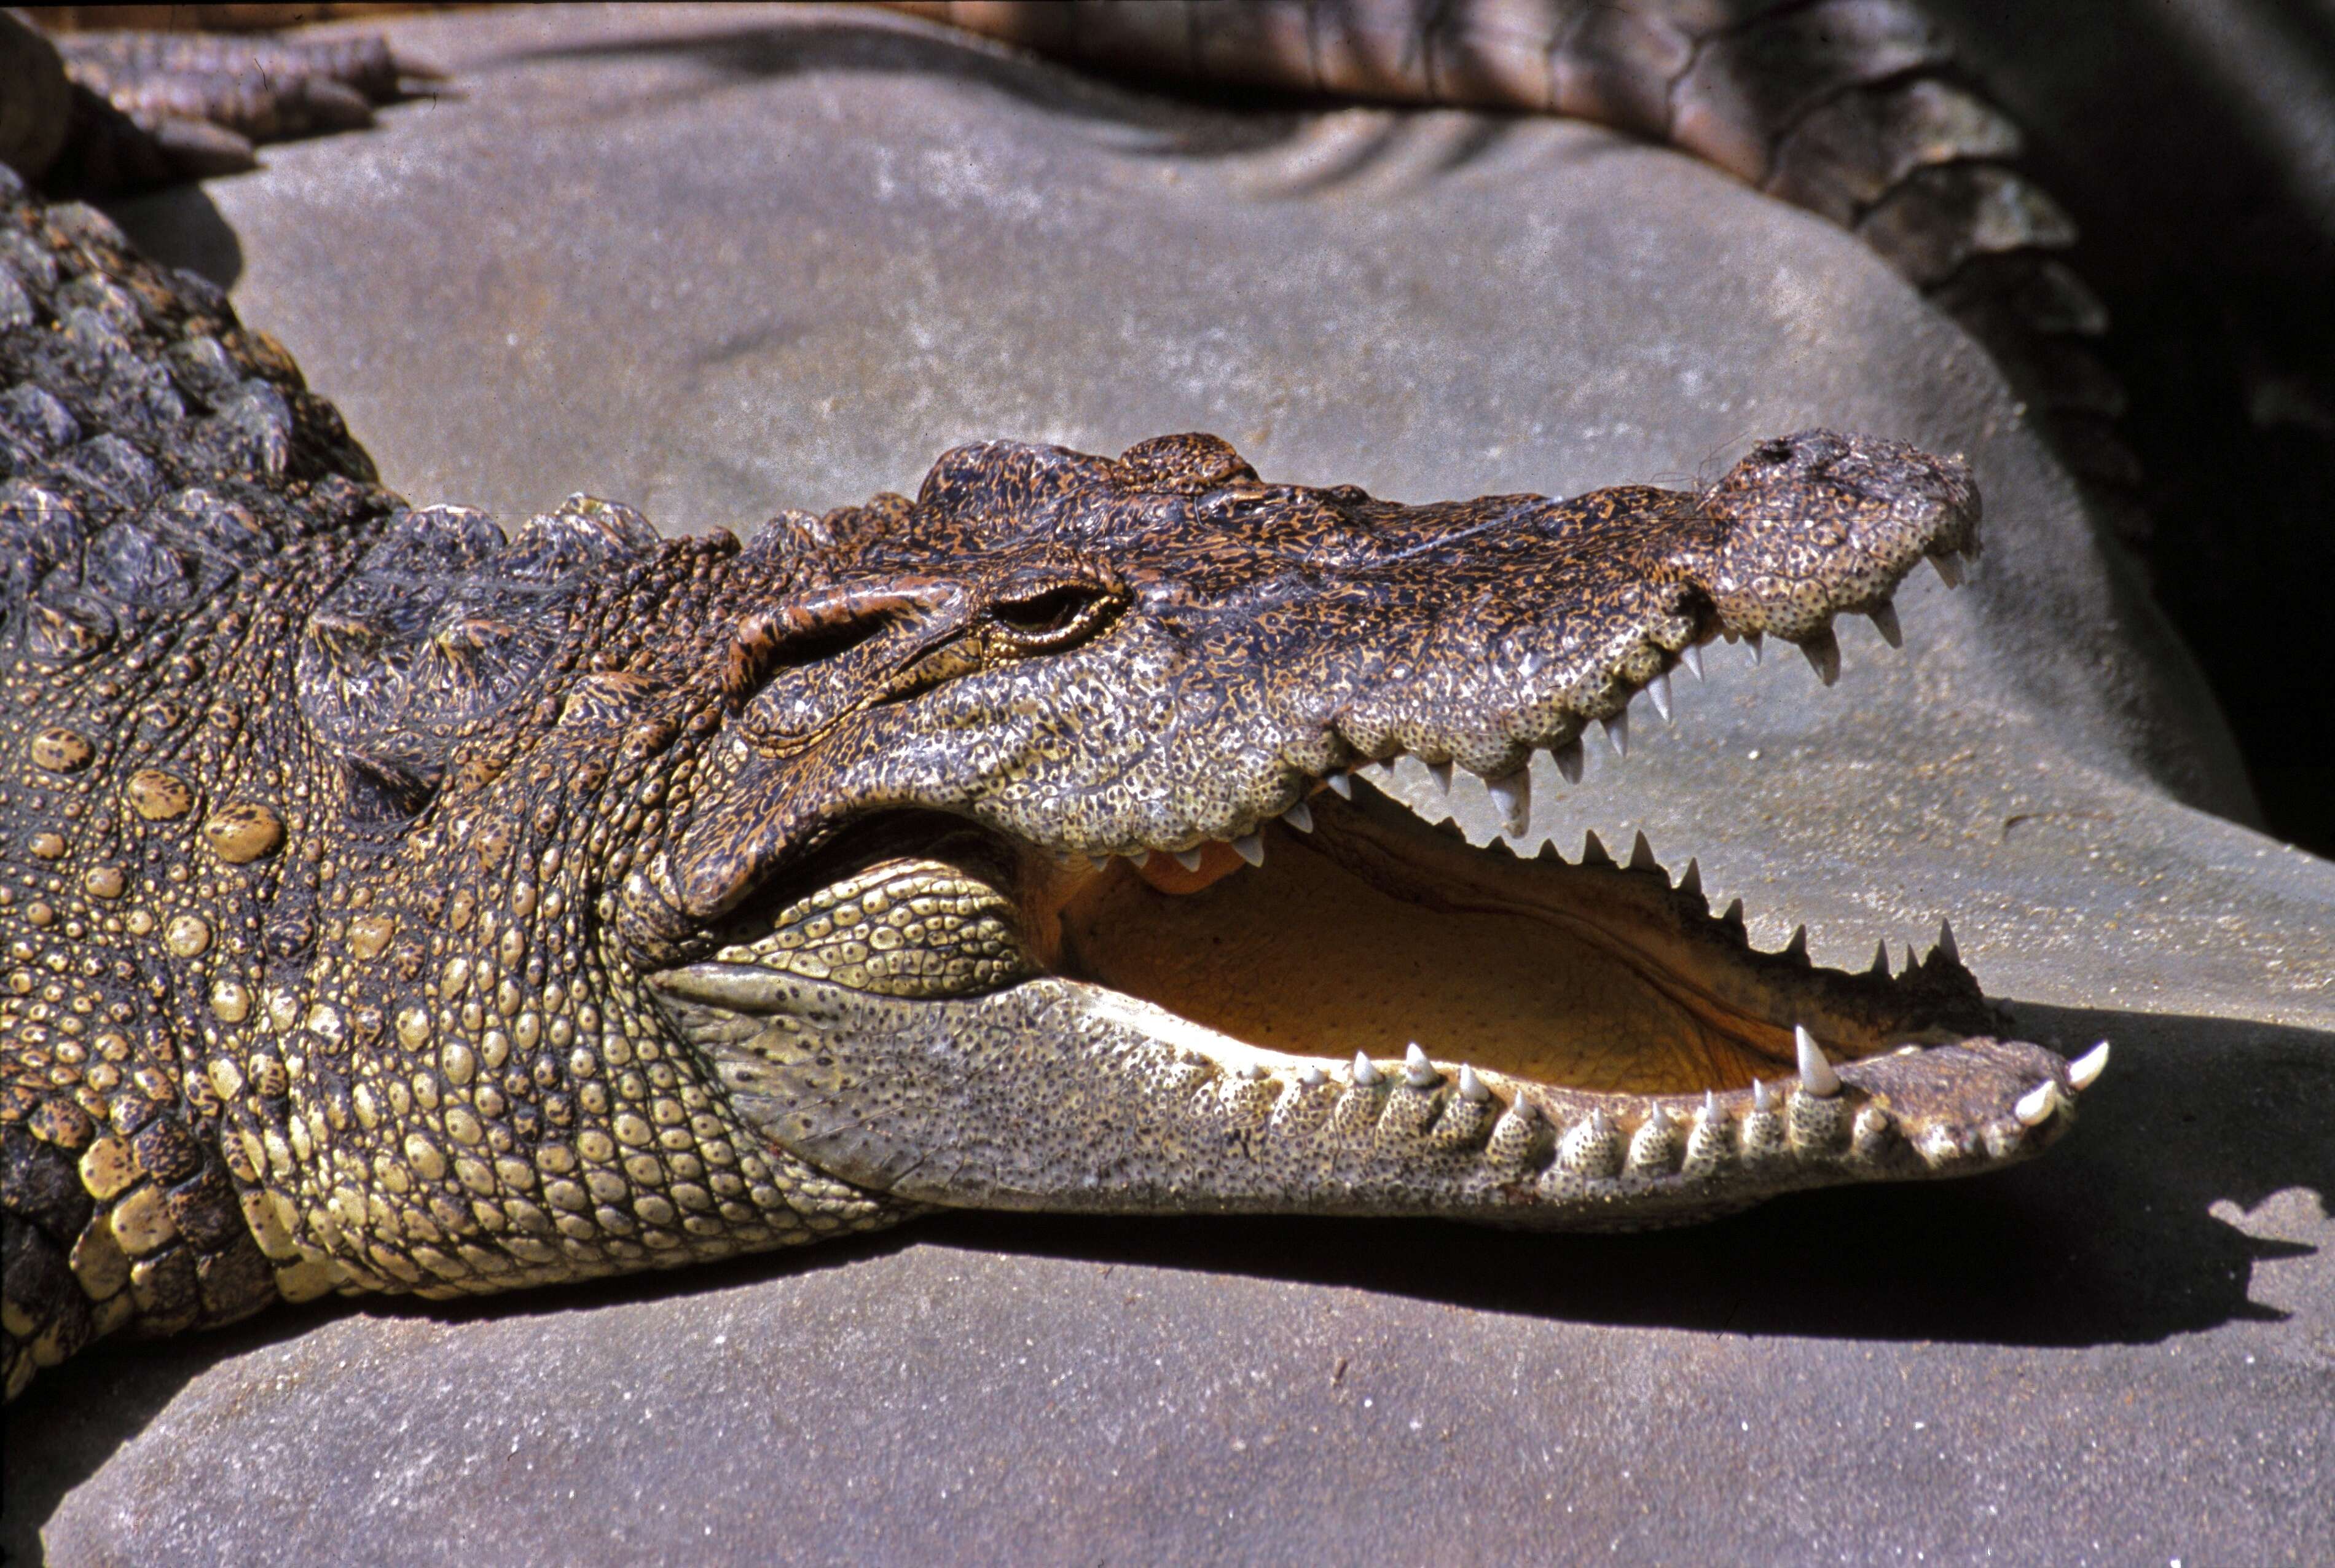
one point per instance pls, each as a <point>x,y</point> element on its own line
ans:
<point>1037,862</point>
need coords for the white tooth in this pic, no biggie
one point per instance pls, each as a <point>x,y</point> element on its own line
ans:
<point>2085,1068</point>
<point>1365,1075</point>
<point>1691,657</point>
<point>1946,940</point>
<point>1751,644</point>
<point>1300,816</point>
<point>1659,689</point>
<point>1250,848</point>
<point>1711,1111</point>
<point>1342,782</point>
<point>1817,1075</point>
<point>1885,621</point>
<point>1762,1101</point>
<point>1691,883</point>
<point>1441,773</point>
<point>1568,759</point>
<point>1253,1071</point>
<point>1189,859</point>
<point>1949,569</point>
<point>1313,1077</point>
<point>1641,855</point>
<point>1417,1071</point>
<point>1471,1088</point>
<point>2035,1107</point>
<point>1617,731</point>
<point>1512,796</point>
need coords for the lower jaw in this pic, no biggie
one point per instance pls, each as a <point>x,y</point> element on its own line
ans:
<point>1380,1019</point>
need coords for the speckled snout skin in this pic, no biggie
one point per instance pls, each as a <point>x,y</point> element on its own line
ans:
<point>370,883</point>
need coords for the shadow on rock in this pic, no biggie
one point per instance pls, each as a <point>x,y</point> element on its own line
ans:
<point>182,226</point>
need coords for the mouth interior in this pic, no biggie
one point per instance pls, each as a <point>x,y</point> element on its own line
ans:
<point>1376,930</point>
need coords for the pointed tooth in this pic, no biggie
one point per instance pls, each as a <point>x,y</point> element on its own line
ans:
<point>1300,816</point>
<point>1881,960</point>
<point>1471,1088</point>
<point>1752,644</point>
<point>1312,1077</point>
<point>1823,653</point>
<point>1659,689</point>
<point>1946,942</point>
<point>1417,1071</point>
<point>1366,1076</point>
<point>2035,1107</point>
<point>1797,949</point>
<point>1763,1099</point>
<point>1253,1071</point>
<point>1949,569</point>
<point>1711,1111</point>
<point>1733,915</point>
<point>1512,797</point>
<point>1250,847</point>
<point>1441,773</point>
<point>1817,1075</point>
<point>1617,731</point>
<point>1641,855</point>
<point>1593,849</point>
<point>1568,759</point>
<point>1342,782</point>
<point>1885,621</point>
<point>1691,883</point>
<point>1189,859</point>
<point>2085,1071</point>
<point>1691,657</point>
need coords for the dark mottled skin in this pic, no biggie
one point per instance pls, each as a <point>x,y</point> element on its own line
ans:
<point>338,839</point>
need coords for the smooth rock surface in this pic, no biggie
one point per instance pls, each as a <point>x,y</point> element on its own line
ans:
<point>713,263</point>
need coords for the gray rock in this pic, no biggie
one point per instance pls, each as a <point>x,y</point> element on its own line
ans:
<point>714,262</point>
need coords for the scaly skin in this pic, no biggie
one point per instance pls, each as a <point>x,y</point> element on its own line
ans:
<point>389,907</point>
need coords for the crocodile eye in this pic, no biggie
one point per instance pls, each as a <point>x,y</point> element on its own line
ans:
<point>1055,617</point>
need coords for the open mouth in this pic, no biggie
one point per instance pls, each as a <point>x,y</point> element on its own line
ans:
<point>1168,948</point>
<point>1352,1011</point>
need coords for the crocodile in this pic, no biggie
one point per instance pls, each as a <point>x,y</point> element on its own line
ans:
<point>390,904</point>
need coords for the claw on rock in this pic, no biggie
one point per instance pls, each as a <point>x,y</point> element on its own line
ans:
<point>1751,644</point>
<point>1691,657</point>
<point>1659,689</point>
<point>1949,569</point>
<point>1568,760</point>
<point>1885,621</point>
<point>1817,1075</point>
<point>1617,731</point>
